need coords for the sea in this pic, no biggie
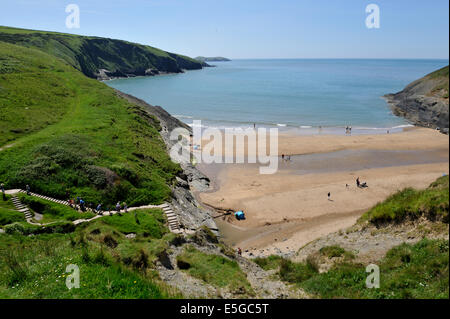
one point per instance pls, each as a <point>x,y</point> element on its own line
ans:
<point>306,95</point>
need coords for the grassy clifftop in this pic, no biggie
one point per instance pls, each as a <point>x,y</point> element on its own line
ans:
<point>62,131</point>
<point>91,55</point>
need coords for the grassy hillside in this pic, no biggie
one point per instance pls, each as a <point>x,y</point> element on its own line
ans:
<point>410,203</point>
<point>441,87</point>
<point>90,54</point>
<point>69,133</point>
<point>111,265</point>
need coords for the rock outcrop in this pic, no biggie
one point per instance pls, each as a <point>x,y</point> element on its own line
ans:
<point>424,102</point>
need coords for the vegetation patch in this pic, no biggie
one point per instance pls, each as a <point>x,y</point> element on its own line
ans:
<point>214,269</point>
<point>147,222</point>
<point>270,262</point>
<point>407,271</point>
<point>433,203</point>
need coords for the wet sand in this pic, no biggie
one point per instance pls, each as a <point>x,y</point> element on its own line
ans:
<point>288,209</point>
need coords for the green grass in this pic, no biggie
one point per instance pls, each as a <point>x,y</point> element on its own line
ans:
<point>9,216</point>
<point>336,251</point>
<point>36,268</point>
<point>214,269</point>
<point>111,265</point>
<point>148,222</point>
<point>8,213</point>
<point>71,133</point>
<point>268,263</point>
<point>408,271</point>
<point>432,203</point>
<point>52,211</point>
<point>442,75</point>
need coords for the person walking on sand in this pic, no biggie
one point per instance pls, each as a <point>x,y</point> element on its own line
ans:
<point>329,196</point>
<point>358,182</point>
<point>239,251</point>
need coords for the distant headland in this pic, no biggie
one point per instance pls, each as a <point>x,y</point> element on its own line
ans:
<point>212,59</point>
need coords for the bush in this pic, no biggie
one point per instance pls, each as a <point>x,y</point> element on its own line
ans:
<point>296,272</point>
<point>332,251</point>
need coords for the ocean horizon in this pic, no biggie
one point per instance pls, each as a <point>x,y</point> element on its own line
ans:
<point>302,94</point>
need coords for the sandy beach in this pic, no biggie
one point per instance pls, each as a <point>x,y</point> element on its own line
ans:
<point>286,210</point>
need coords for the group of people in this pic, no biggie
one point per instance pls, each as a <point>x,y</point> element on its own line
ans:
<point>286,158</point>
<point>80,205</point>
<point>348,130</point>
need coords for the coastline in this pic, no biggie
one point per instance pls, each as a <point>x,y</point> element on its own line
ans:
<point>288,209</point>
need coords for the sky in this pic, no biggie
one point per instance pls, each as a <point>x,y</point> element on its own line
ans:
<point>252,28</point>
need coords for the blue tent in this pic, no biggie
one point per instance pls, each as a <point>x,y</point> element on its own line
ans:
<point>239,215</point>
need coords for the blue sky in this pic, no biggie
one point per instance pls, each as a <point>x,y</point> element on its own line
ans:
<point>252,28</point>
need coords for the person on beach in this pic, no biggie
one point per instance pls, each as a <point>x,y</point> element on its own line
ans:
<point>329,196</point>
<point>358,184</point>
<point>28,189</point>
<point>239,251</point>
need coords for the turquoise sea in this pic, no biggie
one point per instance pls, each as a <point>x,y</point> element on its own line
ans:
<point>297,93</point>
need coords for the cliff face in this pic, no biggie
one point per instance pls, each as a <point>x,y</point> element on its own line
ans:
<point>424,102</point>
<point>101,58</point>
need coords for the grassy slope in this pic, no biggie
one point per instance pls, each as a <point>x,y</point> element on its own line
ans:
<point>111,265</point>
<point>215,270</point>
<point>407,271</point>
<point>410,203</point>
<point>442,87</point>
<point>73,133</point>
<point>89,54</point>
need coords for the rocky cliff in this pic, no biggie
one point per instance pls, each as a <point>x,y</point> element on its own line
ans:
<point>424,102</point>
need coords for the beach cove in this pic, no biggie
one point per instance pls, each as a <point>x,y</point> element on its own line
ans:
<point>289,209</point>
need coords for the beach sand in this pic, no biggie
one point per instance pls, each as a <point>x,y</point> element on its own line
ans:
<point>286,210</point>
